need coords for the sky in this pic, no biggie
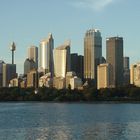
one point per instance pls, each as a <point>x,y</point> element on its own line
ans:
<point>27,22</point>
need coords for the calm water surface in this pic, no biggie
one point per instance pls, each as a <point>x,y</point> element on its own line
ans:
<point>63,121</point>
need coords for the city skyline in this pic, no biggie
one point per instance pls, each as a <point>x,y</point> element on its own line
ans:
<point>28,22</point>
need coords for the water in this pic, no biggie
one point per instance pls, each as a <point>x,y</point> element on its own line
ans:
<point>63,121</point>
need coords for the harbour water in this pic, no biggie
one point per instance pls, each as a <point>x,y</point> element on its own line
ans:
<point>69,121</point>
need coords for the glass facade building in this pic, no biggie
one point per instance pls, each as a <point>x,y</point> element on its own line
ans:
<point>92,53</point>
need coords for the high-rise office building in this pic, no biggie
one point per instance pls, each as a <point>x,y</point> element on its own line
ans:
<point>32,79</point>
<point>80,72</point>
<point>62,60</point>
<point>46,55</point>
<point>33,54</point>
<point>126,63</point>
<point>103,76</point>
<point>77,64</point>
<point>8,72</point>
<point>135,74</point>
<point>1,72</point>
<point>114,56</point>
<point>74,62</point>
<point>126,71</point>
<point>92,53</point>
<point>29,65</point>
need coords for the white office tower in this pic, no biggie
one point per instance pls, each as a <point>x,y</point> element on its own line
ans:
<point>103,76</point>
<point>135,75</point>
<point>62,60</point>
<point>46,55</point>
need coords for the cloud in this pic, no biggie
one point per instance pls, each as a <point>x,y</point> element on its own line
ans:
<point>96,5</point>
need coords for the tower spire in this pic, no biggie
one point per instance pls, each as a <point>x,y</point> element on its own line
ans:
<point>13,48</point>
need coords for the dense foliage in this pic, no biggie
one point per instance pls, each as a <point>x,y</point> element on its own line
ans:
<point>129,93</point>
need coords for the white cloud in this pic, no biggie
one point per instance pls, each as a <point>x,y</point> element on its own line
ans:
<point>96,5</point>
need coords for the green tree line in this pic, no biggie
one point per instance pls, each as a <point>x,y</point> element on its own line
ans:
<point>128,93</point>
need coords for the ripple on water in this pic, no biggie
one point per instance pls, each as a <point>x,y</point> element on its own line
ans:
<point>53,121</point>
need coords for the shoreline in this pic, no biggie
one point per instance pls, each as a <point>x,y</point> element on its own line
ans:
<point>77,102</point>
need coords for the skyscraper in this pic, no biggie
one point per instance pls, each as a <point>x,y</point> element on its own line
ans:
<point>126,71</point>
<point>1,72</point>
<point>33,54</point>
<point>135,75</point>
<point>62,60</point>
<point>77,64</point>
<point>32,79</point>
<point>8,72</point>
<point>80,72</point>
<point>92,53</point>
<point>46,54</point>
<point>103,76</point>
<point>114,56</point>
<point>74,62</point>
<point>126,62</point>
<point>29,65</point>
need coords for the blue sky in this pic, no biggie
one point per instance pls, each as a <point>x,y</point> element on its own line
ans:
<point>27,22</point>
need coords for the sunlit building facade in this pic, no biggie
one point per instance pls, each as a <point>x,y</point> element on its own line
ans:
<point>103,76</point>
<point>32,79</point>
<point>92,53</point>
<point>135,74</point>
<point>46,80</point>
<point>75,83</point>
<point>46,54</point>
<point>62,60</point>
